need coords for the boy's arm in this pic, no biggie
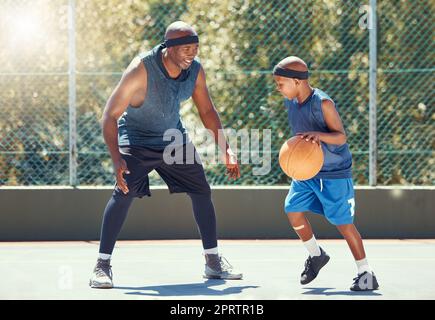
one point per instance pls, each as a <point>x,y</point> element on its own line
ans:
<point>334,124</point>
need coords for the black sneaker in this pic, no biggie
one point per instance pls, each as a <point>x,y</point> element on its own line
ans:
<point>365,282</point>
<point>313,266</point>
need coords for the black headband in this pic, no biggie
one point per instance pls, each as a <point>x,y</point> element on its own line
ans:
<point>181,41</point>
<point>278,71</point>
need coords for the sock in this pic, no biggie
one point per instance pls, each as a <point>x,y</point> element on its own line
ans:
<point>104,256</point>
<point>211,251</point>
<point>363,266</point>
<point>312,247</point>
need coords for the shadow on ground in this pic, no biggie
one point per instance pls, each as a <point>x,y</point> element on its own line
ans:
<point>187,289</point>
<point>327,292</point>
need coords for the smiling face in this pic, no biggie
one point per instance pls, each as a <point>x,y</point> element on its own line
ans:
<point>286,86</point>
<point>183,55</point>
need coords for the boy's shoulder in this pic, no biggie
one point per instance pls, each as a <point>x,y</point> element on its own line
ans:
<point>319,94</point>
<point>323,95</point>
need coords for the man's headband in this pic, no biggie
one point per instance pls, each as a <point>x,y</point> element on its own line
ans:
<point>180,41</point>
<point>278,71</point>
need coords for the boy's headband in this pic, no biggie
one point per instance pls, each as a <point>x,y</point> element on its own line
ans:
<point>278,71</point>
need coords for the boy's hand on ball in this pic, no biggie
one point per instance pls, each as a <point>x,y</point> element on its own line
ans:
<point>233,171</point>
<point>312,136</point>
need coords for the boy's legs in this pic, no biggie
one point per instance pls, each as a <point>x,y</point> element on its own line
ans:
<point>302,198</point>
<point>318,258</point>
<point>301,225</point>
<point>337,198</point>
<point>353,239</point>
<point>366,279</point>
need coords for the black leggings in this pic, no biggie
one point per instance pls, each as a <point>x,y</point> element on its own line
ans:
<point>117,209</point>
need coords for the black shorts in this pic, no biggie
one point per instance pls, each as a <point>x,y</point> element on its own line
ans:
<point>185,175</point>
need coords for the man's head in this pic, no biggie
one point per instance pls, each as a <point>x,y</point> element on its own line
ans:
<point>181,55</point>
<point>290,75</point>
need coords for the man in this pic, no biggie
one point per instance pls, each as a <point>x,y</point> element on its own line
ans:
<point>141,111</point>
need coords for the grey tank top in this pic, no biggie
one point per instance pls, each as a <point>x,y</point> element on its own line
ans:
<point>146,125</point>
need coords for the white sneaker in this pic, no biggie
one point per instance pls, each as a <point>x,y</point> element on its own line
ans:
<point>217,267</point>
<point>102,277</point>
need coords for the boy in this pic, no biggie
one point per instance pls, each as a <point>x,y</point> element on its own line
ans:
<point>313,116</point>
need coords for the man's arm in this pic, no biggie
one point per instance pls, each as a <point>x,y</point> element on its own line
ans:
<point>334,124</point>
<point>210,118</point>
<point>133,79</point>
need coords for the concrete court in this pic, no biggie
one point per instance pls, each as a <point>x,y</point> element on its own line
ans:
<point>173,270</point>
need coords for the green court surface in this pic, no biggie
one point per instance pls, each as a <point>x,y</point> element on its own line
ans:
<point>173,270</point>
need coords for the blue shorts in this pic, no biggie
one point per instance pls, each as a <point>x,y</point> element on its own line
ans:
<point>333,198</point>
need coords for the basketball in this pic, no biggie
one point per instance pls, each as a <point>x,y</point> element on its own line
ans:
<point>300,159</point>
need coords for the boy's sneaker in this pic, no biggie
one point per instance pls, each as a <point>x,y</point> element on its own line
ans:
<point>217,267</point>
<point>365,282</point>
<point>102,277</point>
<point>313,266</point>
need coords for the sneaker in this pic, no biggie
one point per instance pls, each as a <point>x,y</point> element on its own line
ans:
<point>102,277</point>
<point>217,267</point>
<point>313,266</point>
<point>365,281</point>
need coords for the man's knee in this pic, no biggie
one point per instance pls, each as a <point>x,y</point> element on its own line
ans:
<point>201,197</point>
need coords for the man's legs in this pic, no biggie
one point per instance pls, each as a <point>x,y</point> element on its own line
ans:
<point>140,161</point>
<point>114,217</point>
<point>187,176</point>
<point>205,218</point>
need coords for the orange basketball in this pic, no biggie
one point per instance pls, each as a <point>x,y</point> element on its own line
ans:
<point>300,159</point>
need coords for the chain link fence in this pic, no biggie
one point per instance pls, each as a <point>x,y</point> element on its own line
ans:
<point>60,61</point>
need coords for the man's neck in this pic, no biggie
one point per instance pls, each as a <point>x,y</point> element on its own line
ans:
<point>173,70</point>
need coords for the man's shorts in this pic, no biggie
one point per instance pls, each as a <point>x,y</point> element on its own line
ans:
<point>186,174</point>
<point>333,198</point>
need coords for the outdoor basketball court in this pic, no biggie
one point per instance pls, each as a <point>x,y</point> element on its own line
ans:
<point>102,93</point>
<point>173,270</point>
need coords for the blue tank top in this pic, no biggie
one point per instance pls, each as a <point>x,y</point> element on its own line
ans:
<point>146,125</point>
<point>308,116</point>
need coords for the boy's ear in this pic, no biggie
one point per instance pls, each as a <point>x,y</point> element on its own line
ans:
<point>297,82</point>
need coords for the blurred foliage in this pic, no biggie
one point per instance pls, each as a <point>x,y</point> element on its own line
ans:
<point>240,41</point>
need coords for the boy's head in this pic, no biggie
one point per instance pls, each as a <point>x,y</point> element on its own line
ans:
<point>290,75</point>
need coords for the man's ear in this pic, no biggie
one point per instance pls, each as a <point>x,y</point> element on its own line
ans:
<point>297,82</point>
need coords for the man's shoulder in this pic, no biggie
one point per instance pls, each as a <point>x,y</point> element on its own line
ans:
<point>149,54</point>
<point>196,64</point>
